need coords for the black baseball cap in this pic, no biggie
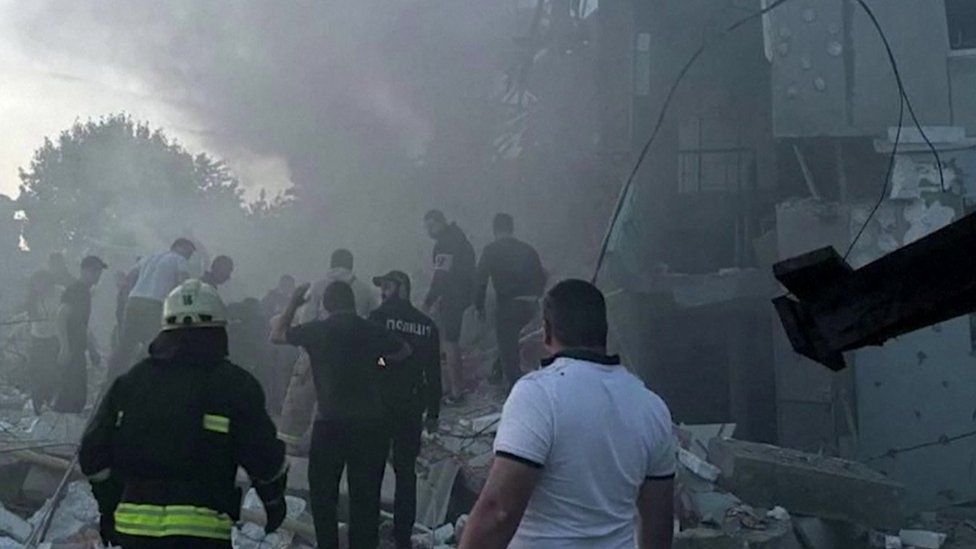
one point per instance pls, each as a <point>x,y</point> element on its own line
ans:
<point>93,262</point>
<point>400,278</point>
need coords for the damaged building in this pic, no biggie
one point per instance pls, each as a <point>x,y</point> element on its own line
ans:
<point>775,144</point>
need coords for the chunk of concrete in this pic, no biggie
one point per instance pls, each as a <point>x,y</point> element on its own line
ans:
<point>806,484</point>
<point>698,466</point>
<point>14,526</point>
<point>923,539</point>
<point>434,493</point>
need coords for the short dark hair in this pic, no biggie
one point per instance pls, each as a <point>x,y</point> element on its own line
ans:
<point>435,215</point>
<point>93,262</point>
<point>341,258</point>
<point>222,259</point>
<point>183,243</point>
<point>576,314</point>
<point>504,223</point>
<point>338,296</point>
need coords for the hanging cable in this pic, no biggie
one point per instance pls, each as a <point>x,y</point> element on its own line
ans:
<point>904,101</point>
<point>625,190</point>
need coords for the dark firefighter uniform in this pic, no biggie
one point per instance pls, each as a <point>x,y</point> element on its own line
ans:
<point>163,448</point>
<point>410,389</point>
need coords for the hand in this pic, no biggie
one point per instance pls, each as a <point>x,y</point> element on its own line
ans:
<point>96,359</point>
<point>276,512</point>
<point>299,297</point>
<point>432,425</point>
<point>481,314</point>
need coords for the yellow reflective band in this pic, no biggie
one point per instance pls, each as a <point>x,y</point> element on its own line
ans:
<point>158,521</point>
<point>118,418</point>
<point>289,439</point>
<point>217,424</point>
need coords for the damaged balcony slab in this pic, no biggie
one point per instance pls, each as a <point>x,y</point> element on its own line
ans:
<point>808,484</point>
<point>836,309</point>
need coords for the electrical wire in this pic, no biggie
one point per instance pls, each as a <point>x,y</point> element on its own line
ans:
<point>884,187</point>
<point>625,190</point>
<point>904,101</point>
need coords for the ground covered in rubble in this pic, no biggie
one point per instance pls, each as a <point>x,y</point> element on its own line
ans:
<point>730,493</point>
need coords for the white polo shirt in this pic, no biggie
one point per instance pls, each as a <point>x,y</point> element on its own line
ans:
<point>597,433</point>
<point>159,274</point>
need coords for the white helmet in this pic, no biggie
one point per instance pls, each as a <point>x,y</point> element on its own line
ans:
<point>193,304</point>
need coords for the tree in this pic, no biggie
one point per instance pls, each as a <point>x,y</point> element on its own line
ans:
<point>117,183</point>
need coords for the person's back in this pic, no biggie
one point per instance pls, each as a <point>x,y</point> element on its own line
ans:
<point>606,430</point>
<point>345,367</point>
<point>158,274</point>
<point>514,268</point>
<point>163,448</point>
<point>584,455</point>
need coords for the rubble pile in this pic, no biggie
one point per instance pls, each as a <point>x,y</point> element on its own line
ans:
<point>729,493</point>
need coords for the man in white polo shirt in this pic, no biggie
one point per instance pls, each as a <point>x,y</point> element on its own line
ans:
<point>584,455</point>
<point>157,276</point>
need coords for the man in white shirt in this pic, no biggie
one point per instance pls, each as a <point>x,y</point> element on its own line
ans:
<point>584,455</point>
<point>156,276</point>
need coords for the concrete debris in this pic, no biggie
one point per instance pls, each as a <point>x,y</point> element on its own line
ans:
<point>76,516</point>
<point>250,535</point>
<point>712,507</point>
<point>778,513</point>
<point>807,484</point>
<point>443,534</point>
<point>13,525</point>
<point>922,539</point>
<point>698,466</point>
<point>434,493</point>
<point>482,424</point>
<point>881,540</point>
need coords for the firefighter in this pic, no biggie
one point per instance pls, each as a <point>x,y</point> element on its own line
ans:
<point>163,448</point>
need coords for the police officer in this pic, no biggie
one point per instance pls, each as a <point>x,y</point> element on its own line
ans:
<point>411,388</point>
<point>163,448</point>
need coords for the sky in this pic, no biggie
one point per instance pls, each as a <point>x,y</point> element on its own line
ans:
<point>43,94</point>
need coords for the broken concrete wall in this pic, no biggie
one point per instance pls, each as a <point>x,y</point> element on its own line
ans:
<point>831,74</point>
<point>916,391</point>
<point>806,392</point>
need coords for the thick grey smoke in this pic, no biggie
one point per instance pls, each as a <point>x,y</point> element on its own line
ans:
<point>382,109</point>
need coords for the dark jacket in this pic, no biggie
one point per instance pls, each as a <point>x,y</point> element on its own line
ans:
<point>172,432</point>
<point>454,269</point>
<point>514,269</point>
<point>415,383</point>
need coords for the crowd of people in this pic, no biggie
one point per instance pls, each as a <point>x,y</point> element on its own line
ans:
<point>353,372</point>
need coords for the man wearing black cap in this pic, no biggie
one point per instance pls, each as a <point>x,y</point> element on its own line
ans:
<point>410,388</point>
<point>73,337</point>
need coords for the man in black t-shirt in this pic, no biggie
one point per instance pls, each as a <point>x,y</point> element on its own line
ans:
<point>515,271</point>
<point>347,354</point>
<point>73,338</point>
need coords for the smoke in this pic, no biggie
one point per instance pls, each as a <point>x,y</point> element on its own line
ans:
<point>377,110</point>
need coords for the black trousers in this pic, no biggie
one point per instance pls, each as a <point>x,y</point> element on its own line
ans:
<point>74,386</point>
<point>512,315</point>
<point>45,374</point>
<point>406,425</point>
<point>359,447</point>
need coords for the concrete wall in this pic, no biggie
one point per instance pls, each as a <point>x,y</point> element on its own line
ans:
<point>831,75</point>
